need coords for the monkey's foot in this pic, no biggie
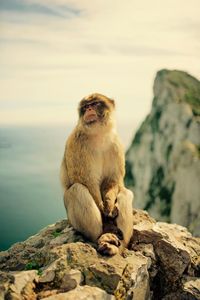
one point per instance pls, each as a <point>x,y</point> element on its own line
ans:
<point>108,244</point>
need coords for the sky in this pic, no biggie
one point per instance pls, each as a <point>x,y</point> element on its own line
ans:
<point>55,52</point>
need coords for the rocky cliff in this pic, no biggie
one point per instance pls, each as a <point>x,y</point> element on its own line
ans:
<point>163,161</point>
<point>163,262</point>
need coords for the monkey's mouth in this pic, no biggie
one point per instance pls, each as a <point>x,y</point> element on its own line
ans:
<point>90,118</point>
<point>92,121</point>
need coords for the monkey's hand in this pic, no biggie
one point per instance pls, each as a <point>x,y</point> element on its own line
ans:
<point>109,196</point>
<point>101,207</point>
<point>110,208</point>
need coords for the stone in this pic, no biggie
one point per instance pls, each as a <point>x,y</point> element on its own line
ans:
<point>83,293</point>
<point>19,285</point>
<point>134,282</point>
<point>191,287</point>
<point>47,277</point>
<point>163,160</point>
<point>162,262</point>
<point>171,247</point>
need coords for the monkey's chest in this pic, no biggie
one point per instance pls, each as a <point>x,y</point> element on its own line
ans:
<point>93,167</point>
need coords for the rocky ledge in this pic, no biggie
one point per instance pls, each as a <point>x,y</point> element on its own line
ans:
<point>163,262</point>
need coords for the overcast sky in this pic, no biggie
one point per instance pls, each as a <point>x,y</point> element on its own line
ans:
<point>54,52</point>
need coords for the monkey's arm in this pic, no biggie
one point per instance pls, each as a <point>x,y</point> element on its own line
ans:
<point>112,185</point>
<point>110,191</point>
<point>63,175</point>
<point>67,179</point>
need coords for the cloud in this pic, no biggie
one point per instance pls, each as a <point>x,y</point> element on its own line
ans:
<point>53,52</point>
<point>38,8</point>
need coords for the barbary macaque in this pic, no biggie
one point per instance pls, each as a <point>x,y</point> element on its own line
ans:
<point>92,171</point>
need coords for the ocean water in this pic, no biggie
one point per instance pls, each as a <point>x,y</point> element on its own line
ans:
<point>30,191</point>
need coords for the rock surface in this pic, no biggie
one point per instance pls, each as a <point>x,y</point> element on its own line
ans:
<point>163,262</point>
<point>163,161</point>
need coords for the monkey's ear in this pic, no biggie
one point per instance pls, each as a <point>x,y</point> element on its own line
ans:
<point>79,111</point>
<point>112,102</point>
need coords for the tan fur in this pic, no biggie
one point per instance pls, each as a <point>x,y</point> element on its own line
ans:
<point>92,173</point>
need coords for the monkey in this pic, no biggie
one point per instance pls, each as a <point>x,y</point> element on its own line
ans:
<point>92,174</point>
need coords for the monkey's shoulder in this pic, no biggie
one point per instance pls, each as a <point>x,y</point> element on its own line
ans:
<point>80,144</point>
<point>75,139</point>
<point>76,150</point>
<point>116,145</point>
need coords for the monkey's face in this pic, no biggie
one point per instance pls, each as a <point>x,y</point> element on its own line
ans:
<point>96,108</point>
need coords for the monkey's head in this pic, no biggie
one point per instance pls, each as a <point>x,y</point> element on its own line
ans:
<point>96,109</point>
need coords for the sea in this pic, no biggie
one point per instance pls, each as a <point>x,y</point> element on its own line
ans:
<point>30,191</point>
<point>31,195</point>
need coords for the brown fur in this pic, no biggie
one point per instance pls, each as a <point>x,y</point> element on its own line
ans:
<point>92,173</point>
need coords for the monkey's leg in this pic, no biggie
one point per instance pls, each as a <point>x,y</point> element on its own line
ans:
<point>83,212</point>
<point>124,219</point>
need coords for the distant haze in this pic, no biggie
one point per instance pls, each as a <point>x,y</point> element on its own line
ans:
<point>54,52</point>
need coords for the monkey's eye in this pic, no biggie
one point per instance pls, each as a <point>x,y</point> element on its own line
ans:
<point>93,105</point>
<point>98,104</point>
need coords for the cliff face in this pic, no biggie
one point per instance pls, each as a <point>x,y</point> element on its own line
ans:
<point>163,262</point>
<point>163,161</point>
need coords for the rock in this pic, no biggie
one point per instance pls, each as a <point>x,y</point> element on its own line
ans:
<point>191,287</point>
<point>163,262</point>
<point>83,293</point>
<point>47,277</point>
<point>134,282</point>
<point>19,285</point>
<point>163,161</point>
<point>173,253</point>
<point>107,273</point>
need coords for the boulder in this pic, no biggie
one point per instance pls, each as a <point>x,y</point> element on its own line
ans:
<point>162,262</point>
